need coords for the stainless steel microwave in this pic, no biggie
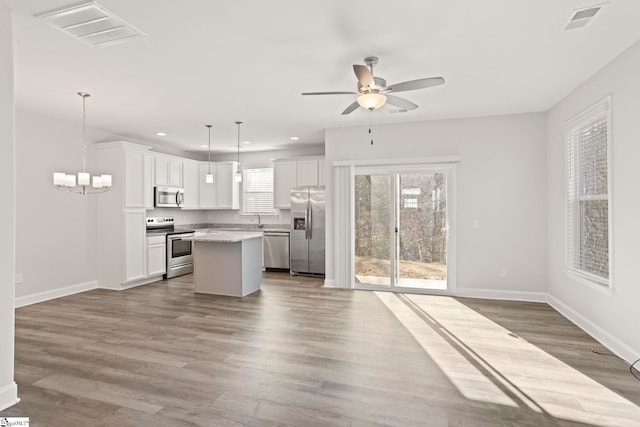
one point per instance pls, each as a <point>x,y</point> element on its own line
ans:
<point>168,197</point>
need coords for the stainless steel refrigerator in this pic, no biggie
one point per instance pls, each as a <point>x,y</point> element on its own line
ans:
<point>306,244</point>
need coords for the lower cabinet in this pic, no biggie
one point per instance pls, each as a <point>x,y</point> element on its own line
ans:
<point>135,234</point>
<point>156,258</point>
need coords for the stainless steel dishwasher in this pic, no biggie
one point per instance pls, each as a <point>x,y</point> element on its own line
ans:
<point>276,249</point>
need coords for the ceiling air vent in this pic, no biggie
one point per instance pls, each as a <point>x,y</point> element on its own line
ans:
<point>581,17</point>
<point>92,23</point>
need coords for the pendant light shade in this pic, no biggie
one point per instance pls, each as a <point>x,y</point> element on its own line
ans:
<point>238,176</point>
<point>208,179</point>
<point>84,183</point>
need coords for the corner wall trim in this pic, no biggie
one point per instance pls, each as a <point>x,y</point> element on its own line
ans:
<point>55,293</point>
<point>9,395</point>
<point>330,283</point>
<point>614,344</point>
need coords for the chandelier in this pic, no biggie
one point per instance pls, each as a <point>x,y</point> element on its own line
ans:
<point>84,184</point>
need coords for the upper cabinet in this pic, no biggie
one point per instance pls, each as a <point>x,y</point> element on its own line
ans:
<point>134,179</point>
<point>190,184</point>
<point>148,179</point>
<point>168,170</point>
<point>307,172</point>
<point>285,174</point>
<point>290,173</point>
<point>224,192</point>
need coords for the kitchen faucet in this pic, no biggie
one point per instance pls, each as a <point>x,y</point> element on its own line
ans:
<point>259,222</point>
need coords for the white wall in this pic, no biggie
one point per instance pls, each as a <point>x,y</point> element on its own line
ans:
<point>55,231</point>
<point>8,388</point>
<point>500,182</point>
<point>613,319</point>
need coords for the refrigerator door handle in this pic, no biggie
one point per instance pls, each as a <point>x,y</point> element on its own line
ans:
<point>310,221</point>
<point>306,222</point>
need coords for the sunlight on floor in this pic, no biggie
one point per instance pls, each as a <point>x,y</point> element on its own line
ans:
<point>404,282</point>
<point>487,362</point>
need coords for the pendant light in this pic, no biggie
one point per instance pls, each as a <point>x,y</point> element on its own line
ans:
<point>209,177</point>
<point>238,177</point>
<point>84,185</point>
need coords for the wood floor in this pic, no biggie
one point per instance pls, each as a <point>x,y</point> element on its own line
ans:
<point>298,354</point>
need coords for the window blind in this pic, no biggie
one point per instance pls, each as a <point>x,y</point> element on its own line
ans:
<point>257,191</point>
<point>588,194</point>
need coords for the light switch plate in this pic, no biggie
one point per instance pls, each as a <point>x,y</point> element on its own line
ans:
<point>19,278</point>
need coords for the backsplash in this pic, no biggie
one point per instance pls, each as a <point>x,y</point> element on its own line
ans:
<point>215,219</point>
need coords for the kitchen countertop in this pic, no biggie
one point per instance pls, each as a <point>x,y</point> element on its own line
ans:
<point>219,236</point>
<point>238,227</point>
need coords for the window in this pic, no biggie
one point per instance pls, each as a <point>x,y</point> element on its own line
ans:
<point>257,191</point>
<point>588,220</point>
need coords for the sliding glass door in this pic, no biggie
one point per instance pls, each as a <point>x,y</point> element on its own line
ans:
<point>401,229</point>
<point>373,234</point>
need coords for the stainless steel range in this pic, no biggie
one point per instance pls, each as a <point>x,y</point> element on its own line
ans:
<point>179,251</point>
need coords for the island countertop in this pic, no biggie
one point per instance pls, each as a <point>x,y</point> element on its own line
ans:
<point>223,236</point>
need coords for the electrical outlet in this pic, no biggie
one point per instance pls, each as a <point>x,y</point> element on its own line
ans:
<point>503,272</point>
<point>19,278</point>
<point>475,223</point>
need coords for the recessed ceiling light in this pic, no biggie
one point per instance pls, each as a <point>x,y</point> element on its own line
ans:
<point>161,134</point>
<point>246,142</point>
<point>294,138</point>
<point>203,146</point>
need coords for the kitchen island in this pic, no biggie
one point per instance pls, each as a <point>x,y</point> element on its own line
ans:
<point>227,262</point>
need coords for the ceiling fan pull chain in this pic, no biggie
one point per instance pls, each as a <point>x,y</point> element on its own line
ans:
<point>371,124</point>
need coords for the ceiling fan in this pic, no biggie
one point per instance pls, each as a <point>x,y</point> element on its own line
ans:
<point>373,92</point>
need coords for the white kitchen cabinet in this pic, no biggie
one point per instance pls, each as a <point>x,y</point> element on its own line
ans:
<point>134,245</point>
<point>161,170</point>
<point>156,256</point>
<point>224,192</point>
<point>175,172</point>
<point>227,189</point>
<point>290,173</point>
<point>147,180</point>
<point>307,172</point>
<point>134,179</point>
<point>190,184</point>
<point>168,170</point>
<point>121,226</point>
<point>284,179</point>
<point>206,192</point>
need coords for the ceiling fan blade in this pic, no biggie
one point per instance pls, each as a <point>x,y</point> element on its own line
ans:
<point>402,103</point>
<point>329,93</point>
<point>364,75</point>
<point>414,84</point>
<point>351,108</point>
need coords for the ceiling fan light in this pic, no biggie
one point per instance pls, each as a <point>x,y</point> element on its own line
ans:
<point>372,101</point>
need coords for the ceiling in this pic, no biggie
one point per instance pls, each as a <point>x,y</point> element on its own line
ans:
<point>249,60</point>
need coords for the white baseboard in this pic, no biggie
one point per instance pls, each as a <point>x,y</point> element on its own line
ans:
<point>330,283</point>
<point>55,293</point>
<point>8,395</point>
<point>501,294</point>
<point>618,347</point>
<point>121,287</point>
